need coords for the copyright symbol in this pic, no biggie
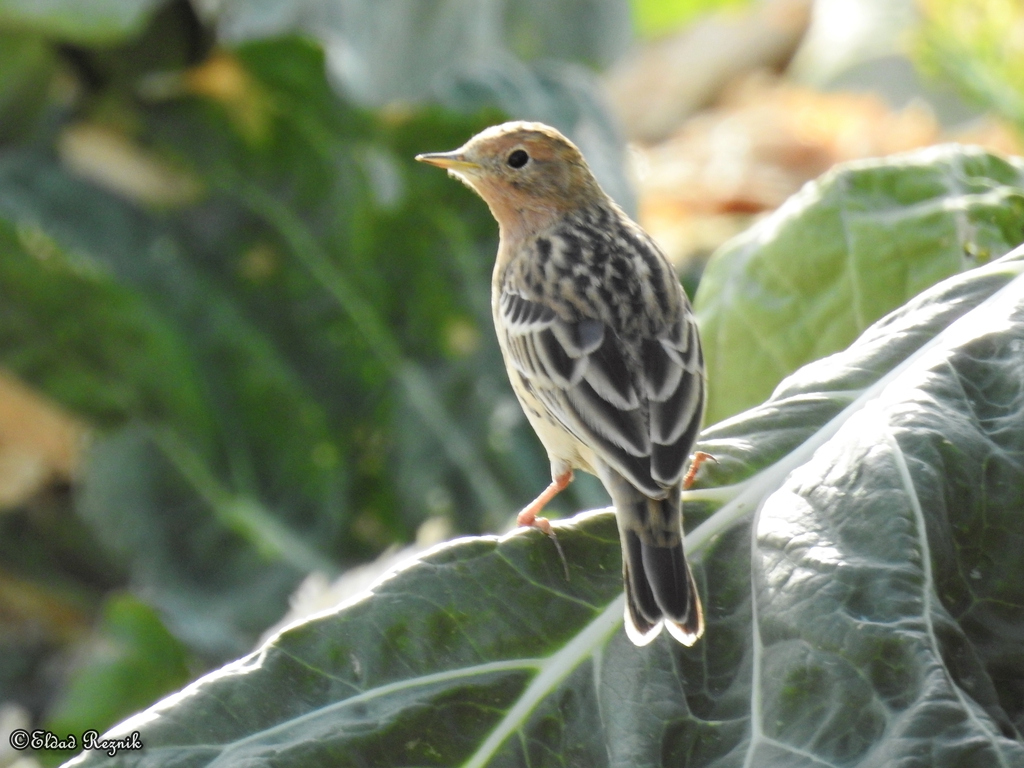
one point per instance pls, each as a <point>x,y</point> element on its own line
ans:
<point>19,738</point>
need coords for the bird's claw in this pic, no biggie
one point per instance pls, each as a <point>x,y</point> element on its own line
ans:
<point>530,518</point>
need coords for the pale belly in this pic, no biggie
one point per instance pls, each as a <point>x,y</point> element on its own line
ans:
<point>564,450</point>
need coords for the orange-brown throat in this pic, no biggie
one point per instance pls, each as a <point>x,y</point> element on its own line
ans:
<point>529,175</point>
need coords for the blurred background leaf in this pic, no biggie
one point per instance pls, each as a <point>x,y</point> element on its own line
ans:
<point>849,248</point>
<point>979,46</point>
<point>27,66</point>
<point>97,22</point>
<point>657,17</point>
<point>131,660</point>
<point>218,253</point>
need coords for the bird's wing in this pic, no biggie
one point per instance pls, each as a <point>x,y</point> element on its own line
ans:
<point>638,407</point>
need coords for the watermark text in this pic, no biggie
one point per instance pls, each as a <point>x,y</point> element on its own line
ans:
<point>39,739</point>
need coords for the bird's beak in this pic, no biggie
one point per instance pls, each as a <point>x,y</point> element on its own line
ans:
<point>453,161</point>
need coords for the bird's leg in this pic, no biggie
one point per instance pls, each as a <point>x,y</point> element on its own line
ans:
<point>529,516</point>
<point>698,458</point>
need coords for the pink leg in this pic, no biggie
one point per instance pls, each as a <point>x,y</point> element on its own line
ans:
<point>698,458</point>
<point>529,515</point>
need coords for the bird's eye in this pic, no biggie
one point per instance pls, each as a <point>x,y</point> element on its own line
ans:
<point>518,158</point>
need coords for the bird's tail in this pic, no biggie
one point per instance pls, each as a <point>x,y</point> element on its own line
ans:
<point>659,585</point>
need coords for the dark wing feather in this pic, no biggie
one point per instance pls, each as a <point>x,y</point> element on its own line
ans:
<point>674,375</point>
<point>638,406</point>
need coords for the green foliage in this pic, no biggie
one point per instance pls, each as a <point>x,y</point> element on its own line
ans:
<point>88,341</point>
<point>132,661</point>
<point>522,56</point>
<point>850,247</point>
<point>279,326</point>
<point>276,321</point>
<point>26,68</point>
<point>857,544</point>
<point>396,50</point>
<point>99,21</point>
<point>977,45</point>
<point>595,32</point>
<point>656,17</point>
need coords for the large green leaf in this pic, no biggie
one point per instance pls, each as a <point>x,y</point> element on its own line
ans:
<point>851,246</point>
<point>857,545</point>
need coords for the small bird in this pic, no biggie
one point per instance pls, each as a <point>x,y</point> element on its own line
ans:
<point>602,351</point>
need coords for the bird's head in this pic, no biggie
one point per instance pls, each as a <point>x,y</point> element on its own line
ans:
<point>527,173</point>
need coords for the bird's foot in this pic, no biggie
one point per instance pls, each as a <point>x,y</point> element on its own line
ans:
<point>530,516</point>
<point>698,458</point>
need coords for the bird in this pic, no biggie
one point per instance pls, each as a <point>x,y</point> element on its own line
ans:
<point>602,351</point>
